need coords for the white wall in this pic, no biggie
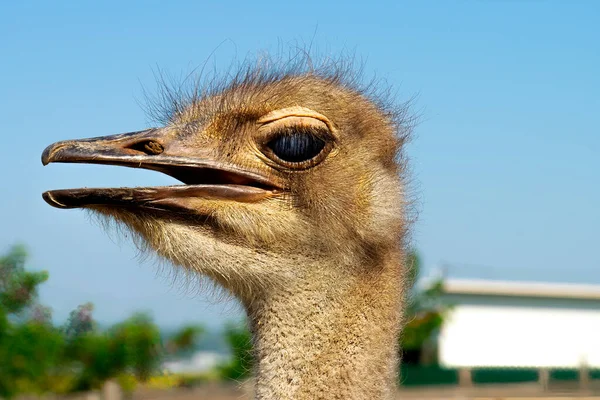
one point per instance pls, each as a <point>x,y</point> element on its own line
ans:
<point>517,332</point>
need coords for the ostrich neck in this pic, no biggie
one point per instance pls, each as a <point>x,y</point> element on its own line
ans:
<point>329,338</point>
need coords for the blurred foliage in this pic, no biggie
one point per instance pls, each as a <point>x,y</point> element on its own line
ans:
<point>30,357</point>
<point>187,380</point>
<point>425,312</point>
<point>18,287</point>
<point>239,339</point>
<point>80,321</point>
<point>184,339</point>
<point>138,341</point>
<point>36,357</point>
<point>165,381</point>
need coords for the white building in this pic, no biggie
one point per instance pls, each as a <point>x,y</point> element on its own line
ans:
<point>519,324</point>
<point>201,361</point>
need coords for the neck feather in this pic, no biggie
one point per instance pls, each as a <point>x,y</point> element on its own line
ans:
<point>330,337</point>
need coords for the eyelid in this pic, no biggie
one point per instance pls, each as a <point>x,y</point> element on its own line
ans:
<point>296,113</point>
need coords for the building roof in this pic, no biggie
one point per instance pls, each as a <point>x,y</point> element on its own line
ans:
<point>584,275</point>
<point>522,289</point>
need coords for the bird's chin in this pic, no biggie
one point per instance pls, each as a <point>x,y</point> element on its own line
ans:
<point>199,244</point>
<point>178,199</point>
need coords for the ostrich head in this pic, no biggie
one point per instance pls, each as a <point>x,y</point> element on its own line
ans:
<point>286,177</point>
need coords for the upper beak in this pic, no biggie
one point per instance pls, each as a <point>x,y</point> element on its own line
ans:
<point>155,149</point>
<point>106,149</point>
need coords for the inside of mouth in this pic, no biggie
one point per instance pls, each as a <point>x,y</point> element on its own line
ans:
<point>210,176</point>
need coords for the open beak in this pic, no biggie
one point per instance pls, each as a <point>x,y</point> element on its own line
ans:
<point>203,177</point>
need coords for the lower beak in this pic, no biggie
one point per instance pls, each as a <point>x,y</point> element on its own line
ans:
<point>203,177</point>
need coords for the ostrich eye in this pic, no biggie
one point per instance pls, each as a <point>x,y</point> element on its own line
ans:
<point>296,147</point>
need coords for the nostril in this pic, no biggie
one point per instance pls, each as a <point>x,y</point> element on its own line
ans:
<point>150,147</point>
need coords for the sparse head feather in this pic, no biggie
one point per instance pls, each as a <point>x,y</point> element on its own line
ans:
<point>260,76</point>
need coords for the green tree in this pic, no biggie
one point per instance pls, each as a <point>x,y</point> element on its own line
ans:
<point>132,346</point>
<point>239,339</point>
<point>184,339</point>
<point>36,357</point>
<point>29,345</point>
<point>425,312</point>
<point>29,356</point>
<point>80,321</point>
<point>18,287</point>
<point>140,339</point>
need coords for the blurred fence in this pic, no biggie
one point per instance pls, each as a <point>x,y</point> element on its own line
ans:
<point>504,375</point>
<point>416,375</point>
<point>555,379</point>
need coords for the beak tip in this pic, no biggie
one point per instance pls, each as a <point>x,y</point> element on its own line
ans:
<point>48,153</point>
<point>53,152</point>
<point>51,199</point>
<point>45,157</point>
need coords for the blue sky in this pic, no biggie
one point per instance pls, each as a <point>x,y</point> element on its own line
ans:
<point>505,159</point>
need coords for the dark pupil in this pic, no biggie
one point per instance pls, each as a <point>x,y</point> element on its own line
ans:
<point>296,147</point>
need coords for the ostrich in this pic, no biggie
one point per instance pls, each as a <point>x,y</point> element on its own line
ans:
<point>293,200</point>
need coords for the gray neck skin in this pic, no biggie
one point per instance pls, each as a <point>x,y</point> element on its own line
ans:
<point>329,341</point>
